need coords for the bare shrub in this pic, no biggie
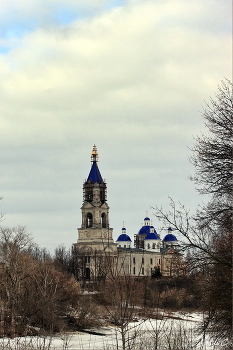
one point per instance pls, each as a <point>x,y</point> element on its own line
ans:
<point>86,314</point>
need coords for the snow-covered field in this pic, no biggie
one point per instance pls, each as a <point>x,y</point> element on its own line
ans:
<point>174,331</point>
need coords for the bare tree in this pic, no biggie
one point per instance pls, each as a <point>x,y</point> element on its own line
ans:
<point>14,268</point>
<point>50,297</point>
<point>212,159</point>
<point>34,291</point>
<point>121,296</point>
<point>208,234</point>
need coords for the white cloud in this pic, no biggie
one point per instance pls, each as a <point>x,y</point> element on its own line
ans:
<point>132,80</point>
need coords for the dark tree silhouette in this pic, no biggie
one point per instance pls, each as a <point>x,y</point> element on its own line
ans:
<point>212,158</point>
<point>208,235</point>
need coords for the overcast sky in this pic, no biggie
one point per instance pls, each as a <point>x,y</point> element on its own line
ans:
<point>131,77</point>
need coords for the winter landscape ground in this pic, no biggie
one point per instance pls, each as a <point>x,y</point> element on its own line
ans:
<point>173,331</point>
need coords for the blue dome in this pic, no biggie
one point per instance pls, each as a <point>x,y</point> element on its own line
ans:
<point>147,218</point>
<point>123,238</point>
<point>123,229</point>
<point>144,230</point>
<point>152,235</point>
<point>170,237</point>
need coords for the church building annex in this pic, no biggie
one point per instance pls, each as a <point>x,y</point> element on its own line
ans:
<point>148,255</point>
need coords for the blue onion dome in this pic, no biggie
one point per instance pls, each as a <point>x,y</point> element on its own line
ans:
<point>147,218</point>
<point>144,230</point>
<point>124,238</point>
<point>170,229</point>
<point>170,237</point>
<point>123,229</point>
<point>152,235</point>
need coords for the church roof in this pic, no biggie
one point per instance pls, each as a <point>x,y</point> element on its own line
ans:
<point>145,230</point>
<point>94,175</point>
<point>170,237</point>
<point>152,235</point>
<point>123,237</point>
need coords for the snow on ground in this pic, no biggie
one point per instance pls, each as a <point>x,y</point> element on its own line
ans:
<point>175,330</point>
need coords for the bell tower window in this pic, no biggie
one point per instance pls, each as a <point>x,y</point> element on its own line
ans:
<point>89,220</point>
<point>103,220</point>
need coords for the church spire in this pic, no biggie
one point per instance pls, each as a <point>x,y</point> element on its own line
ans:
<point>94,188</point>
<point>94,175</point>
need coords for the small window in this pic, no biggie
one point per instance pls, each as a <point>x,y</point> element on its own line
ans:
<point>134,270</point>
<point>142,260</point>
<point>89,220</point>
<point>134,261</point>
<point>143,271</point>
<point>87,259</point>
<point>124,246</point>
<point>148,246</point>
<point>153,246</point>
<point>159,261</point>
<point>103,220</point>
<point>151,261</point>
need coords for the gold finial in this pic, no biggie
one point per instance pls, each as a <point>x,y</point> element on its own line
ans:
<point>94,151</point>
<point>94,154</point>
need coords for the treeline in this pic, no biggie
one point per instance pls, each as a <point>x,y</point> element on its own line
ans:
<point>40,293</point>
<point>36,293</point>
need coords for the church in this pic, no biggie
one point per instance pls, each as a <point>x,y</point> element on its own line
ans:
<point>147,255</point>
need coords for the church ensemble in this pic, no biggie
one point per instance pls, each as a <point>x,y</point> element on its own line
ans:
<point>150,256</point>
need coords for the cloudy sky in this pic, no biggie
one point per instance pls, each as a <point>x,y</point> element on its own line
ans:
<point>130,76</point>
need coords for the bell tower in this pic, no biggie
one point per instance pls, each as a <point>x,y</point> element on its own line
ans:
<point>95,232</point>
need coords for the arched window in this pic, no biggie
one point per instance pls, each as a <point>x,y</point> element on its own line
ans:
<point>148,246</point>
<point>103,220</point>
<point>89,220</point>
<point>153,246</point>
